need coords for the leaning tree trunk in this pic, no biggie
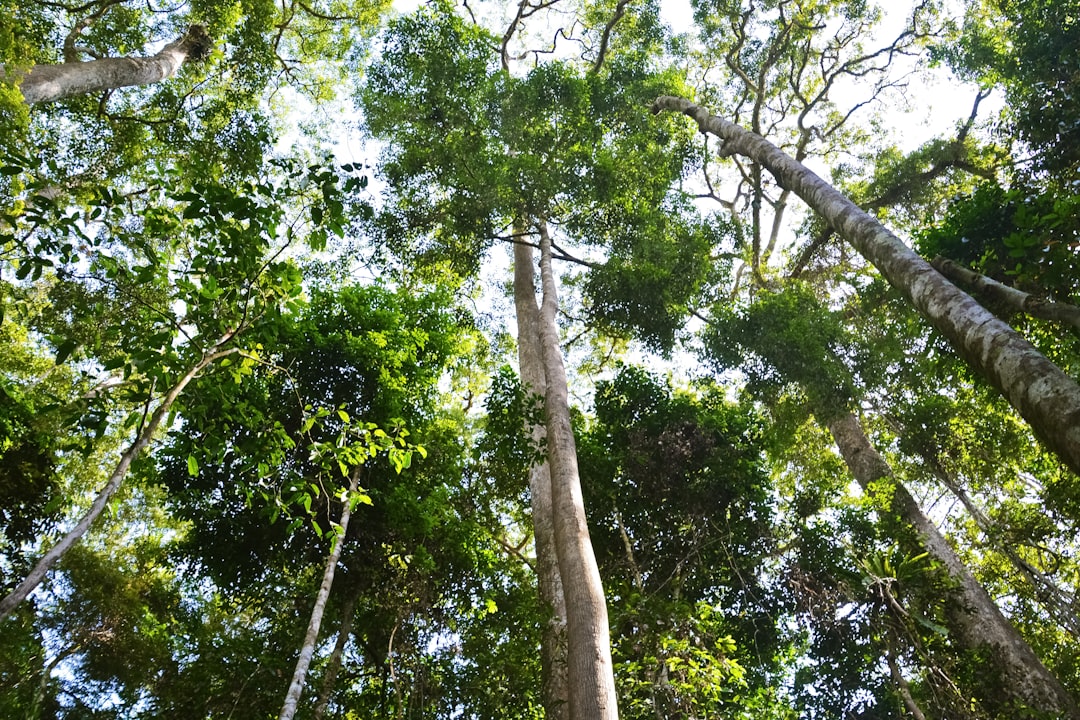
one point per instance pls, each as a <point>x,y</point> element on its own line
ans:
<point>1058,603</point>
<point>591,691</point>
<point>333,664</point>
<point>146,434</point>
<point>307,650</point>
<point>554,681</point>
<point>1044,395</point>
<point>975,620</point>
<point>47,83</point>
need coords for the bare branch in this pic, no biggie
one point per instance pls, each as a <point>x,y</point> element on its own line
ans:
<point>620,10</point>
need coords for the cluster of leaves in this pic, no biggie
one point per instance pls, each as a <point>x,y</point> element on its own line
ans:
<point>783,339</point>
<point>1020,236</point>
<point>474,151</point>
<point>680,518</point>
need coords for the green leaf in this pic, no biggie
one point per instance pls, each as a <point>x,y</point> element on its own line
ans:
<point>192,466</point>
<point>64,351</point>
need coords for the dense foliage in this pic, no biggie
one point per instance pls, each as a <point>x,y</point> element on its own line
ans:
<point>219,344</point>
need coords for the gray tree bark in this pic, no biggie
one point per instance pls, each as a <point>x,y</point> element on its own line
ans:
<point>1014,299</point>
<point>307,649</point>
<point>333,665</point>
<point>48,83</point>
<point>1044,395</point>
<point>904,689</point>
<point>146,434</point>
<point>975,620</point>
<point>554,681</point>
<point>1057,602</point>
<point>591,691</point>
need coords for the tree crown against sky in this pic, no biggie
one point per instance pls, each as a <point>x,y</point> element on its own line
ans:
<point>199,377</point>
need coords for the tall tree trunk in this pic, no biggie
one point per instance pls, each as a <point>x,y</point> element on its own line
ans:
<point>146,434</point>
<point>554,681</point>
<point>592,682</point>
<point>333,665</point>
<point>975,620</point>
<point>307,650</point>
<point>48,83</point>
<point>1044,395</point>
<point>903,688</point>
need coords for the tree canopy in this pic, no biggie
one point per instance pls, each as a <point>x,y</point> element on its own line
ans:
<point>540,359</point>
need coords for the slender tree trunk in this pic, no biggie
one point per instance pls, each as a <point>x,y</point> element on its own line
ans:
<point>333,665</point>
<point>975,620</point>
<point>43,681</point>
<point>592,682</point>
<point>146,434</point>
<point>903,688</point>
<point>1044,395</point>
<point>554,681</point>
<point>1014,299</point>
<point>48,83</point>
<point>1058,603</point>
<point>307,650</point>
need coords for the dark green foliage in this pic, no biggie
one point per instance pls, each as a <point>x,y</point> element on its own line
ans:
<point>1021,236</point>
<point>418,558</point>
<point>679,514</point>
<point>1023,232</point>
<point>27,467</point>
<point>507,449</point>
<point>472,150</point>
<point>373,353</point>
<point>1027,48</point>
<point>432,93</point>
<point>791,338</point>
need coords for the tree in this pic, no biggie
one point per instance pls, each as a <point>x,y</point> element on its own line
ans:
<point>555,679</point>
<point>679,500</point>
<point>222,299</point>
<point>495,171</point>
<point>210,119</point>
<point>146,433</point>
<point>787,332</point>
<point>360,354</point>
<point>1037,388</point>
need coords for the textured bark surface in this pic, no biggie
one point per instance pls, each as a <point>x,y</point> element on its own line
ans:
<point>1015,300</point>
<point>975,621</point>
<point>589,667</point>
<point>48,83</point>
<point>554,683</point>
<point>1044,395</point>
<point>146,434</point>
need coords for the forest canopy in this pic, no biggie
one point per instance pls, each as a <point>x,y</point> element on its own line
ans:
<point>539,359</point>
